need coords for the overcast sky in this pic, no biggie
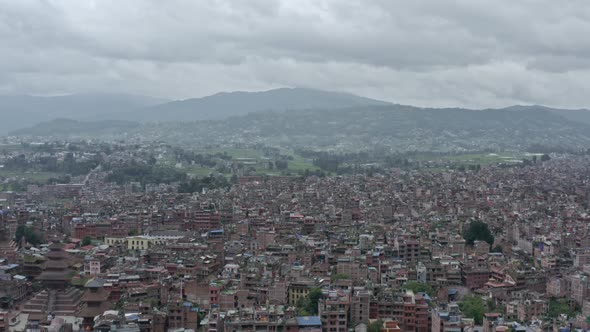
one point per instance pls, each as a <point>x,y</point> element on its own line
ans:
<point>470,53</point>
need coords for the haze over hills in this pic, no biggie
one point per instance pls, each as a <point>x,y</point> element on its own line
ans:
<point>20,111</point>
<point>225,104</point>
<point>305,117</point>
<point>578,115</point>
<point>388,128</point>
<point>25,111</point>
<point>69,127</point>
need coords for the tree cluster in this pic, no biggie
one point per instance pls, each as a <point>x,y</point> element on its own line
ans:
<point>478,230</point>
<point>28,233</point>
<point>308,306</point>
<point>418,287</point>
<point>473,307</point>
<point>208,182</point>
<point>87,240</point>
<point>375,326</point>
<point>145,174</point>
<point>50,164</point>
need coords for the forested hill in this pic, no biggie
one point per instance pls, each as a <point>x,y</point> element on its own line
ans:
<point>391,127</point>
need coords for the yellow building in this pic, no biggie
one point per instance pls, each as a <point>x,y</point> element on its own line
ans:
<point>298,290</point>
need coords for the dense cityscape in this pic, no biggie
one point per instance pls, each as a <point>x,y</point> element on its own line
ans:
<point>106,245</point>
<point>294,166</point>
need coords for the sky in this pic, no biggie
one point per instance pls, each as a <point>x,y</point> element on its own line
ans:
<point>467,53</point>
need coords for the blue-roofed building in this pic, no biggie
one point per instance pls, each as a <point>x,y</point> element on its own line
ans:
<point>309,323</point>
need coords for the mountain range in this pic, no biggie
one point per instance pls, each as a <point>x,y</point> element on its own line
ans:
<point>226,104</point>
<point>304,115</point>
<point>23,111</point>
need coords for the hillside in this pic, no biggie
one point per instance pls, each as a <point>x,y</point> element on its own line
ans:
<point>67,127</point>
<point>389,128</point>
<point>305,118</point>
<point>21,111</point>
<point>225,104</point>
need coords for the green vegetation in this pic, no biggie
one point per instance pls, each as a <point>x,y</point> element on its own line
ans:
<point>561,306</point>
<point>498,249</point>
<point>418,287</point>
<point>308,306</point>
<point>28,233</point>
<point>209,182</point>
<point>86,241</point>
<point>478,230</point>
<point>50,164</point>
<point>375,326</point>
<point>145,174</point>
<point>234,152</point>
<point>481,158</point>
<point>298,163</point>
<point>28,175</point>
<point>199,171</point>
<point>473,307</point>
<point>233,160</point>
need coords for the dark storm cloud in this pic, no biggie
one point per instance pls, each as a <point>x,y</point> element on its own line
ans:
<point>440,53</point>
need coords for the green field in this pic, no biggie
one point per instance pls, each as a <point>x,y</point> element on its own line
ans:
<point>485,159</point>
<point>474,159</point>
<point>234,152</point>
<point>30,175</point>
<point>10,147</point>
<point>298,164</point>
<point>198,171</point>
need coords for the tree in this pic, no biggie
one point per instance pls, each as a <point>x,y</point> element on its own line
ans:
<point>375,326</point>
<point>281,165</point>
<point>208,182</point>
<point>545,157</point>
<point>133,172</point>
<point>28,233</point>
<point>308,306</point>
<point>498,248</point>
<point>473,307</point>
<point>87,240</point>
<point>560,306</point>
<point>418,287</point>
<point>478,230</point>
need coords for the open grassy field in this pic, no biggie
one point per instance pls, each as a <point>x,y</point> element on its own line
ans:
<point>10,147</point>
<point>33,176</point>
<point>485,159</point>
<point>198,171</point>
<point>298,164</point>
<point>474,159</point>
<point>235,152</point>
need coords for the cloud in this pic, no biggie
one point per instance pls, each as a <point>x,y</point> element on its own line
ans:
<point>470,53</point>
